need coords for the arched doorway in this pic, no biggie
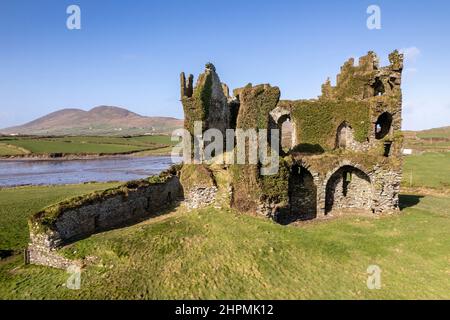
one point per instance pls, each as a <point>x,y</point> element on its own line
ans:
<point>344,136</point>
<point>348,188</point>
<point>383,125</point>
<point>302,194</point>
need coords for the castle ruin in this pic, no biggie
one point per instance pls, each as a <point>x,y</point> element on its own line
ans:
<point>345,146</point>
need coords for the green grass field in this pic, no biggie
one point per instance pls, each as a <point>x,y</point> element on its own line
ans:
<point>214,253</point>
<point>8,150</point>
<point>17,204</point>
<point>427,170</point>
<point>84,145</point>
<point>220,254</point>
<point>433,140</point>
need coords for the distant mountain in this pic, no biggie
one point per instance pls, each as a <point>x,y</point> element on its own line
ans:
<point>102,120</point>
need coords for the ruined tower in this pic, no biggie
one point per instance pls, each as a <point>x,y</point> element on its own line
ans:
<point>206,102</point>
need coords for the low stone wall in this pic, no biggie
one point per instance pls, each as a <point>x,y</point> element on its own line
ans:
<point>387,184</point>
<point>81,217</point>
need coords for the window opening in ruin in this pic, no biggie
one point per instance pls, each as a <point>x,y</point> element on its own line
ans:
<point>344,136</point>
<point>387,148</point>
<point>286,127</point>
<point>301,174</point>
<point>378,87</point>
<point>383,125</point>
<point>347,178</point>
<point>348,187</point>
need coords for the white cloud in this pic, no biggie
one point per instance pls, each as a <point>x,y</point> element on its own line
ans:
<point>411,54</point>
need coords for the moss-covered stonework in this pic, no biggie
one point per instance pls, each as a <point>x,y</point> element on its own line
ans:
<point>206,102</point>
<point>80,217</point>
<point>362,93</point>
<point>317,121</point>
<point>47,218</point>
<point>354,125</point>
<point>255,105</point>
<point>249,188</point>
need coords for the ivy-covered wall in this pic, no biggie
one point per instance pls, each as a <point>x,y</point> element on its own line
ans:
<point>317,122</point>
<point>196,106</point>
<point>249,187</point>
<point>255,104</point>
<point>362,93</point>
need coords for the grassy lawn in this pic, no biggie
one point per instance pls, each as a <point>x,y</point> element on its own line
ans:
<point>17,204</point>
<point>427,170</point>
<point>44,146</point>
<point>214,253</point>
<point>86,145</point>
<point>8,150</point>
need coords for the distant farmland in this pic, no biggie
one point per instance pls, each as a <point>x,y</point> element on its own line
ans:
<point>13,146</point>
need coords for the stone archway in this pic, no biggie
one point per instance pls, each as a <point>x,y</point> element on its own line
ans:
<point>348,188</point>
<point>281,119</point>
<point>302,194</point>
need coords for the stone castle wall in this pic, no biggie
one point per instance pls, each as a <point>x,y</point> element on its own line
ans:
<point>200,197</point>
<point>348,140</point>
<point>90,217</point>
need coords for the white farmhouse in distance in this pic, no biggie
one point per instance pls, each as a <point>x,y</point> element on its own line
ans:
<point>407,152</point>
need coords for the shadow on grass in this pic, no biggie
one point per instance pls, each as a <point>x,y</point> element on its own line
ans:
<point>409,200</point>
<point>147,216</point>
<point>287,219</point>
<point>5,254</point>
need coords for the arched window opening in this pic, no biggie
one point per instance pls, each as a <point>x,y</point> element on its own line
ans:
<point>286,130</point>
<point>344,136</point>
<point>378,88</point>
<point>383,125</point>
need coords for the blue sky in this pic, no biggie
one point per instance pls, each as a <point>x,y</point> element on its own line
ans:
<point>130,53</point>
